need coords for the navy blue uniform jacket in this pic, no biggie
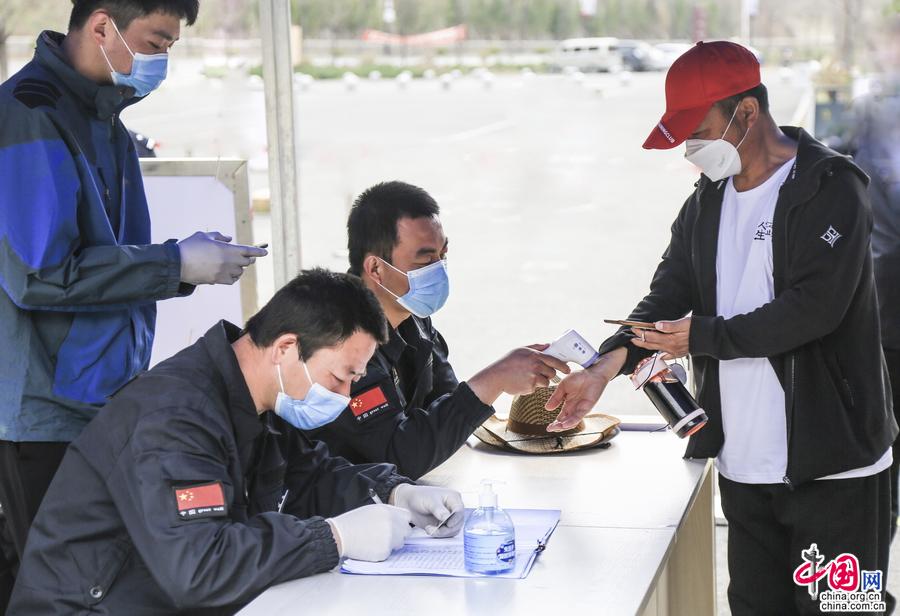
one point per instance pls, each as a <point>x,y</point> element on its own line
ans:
<point>116,533</point>
<point>409,409</point>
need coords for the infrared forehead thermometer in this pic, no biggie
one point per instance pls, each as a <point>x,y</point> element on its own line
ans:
<point>572,347</point>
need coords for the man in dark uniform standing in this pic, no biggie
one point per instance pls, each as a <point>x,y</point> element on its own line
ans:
<point>185,495</point>
<point>409,409</point>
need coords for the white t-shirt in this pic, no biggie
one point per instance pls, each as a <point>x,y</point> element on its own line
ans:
<point>753,403</point>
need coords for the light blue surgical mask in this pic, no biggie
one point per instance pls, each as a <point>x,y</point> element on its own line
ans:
<point>147,71</point>
<point>320,406</point>
<point>429,288</point>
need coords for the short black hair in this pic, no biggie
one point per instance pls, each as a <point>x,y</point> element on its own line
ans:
<point>322,309</point>
<point>760,93</point>
<point>372,224</point>
<point>126,11</point>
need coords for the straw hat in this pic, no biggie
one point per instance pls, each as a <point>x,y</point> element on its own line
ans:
<point>525,431</point>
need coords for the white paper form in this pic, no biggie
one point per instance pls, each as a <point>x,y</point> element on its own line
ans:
<point>424,555</point>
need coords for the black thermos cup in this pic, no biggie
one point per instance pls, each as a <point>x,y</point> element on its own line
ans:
<point>675,403</point>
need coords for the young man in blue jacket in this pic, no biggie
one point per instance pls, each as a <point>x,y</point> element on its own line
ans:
<point>78,273</point>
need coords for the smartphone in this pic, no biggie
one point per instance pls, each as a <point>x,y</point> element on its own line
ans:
<point>634,324</point>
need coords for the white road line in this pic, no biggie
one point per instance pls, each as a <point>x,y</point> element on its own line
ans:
<point>465,135</point>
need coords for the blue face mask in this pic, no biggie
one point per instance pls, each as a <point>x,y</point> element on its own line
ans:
<point>429,288</point>
<point>147,71</point>
<point>320,406</point>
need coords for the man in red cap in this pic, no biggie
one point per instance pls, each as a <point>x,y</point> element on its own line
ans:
<point>770,259</point>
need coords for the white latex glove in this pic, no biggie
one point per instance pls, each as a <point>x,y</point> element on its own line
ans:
<point>371,532</point>
<point>208,258</point>
<point>438,511</point>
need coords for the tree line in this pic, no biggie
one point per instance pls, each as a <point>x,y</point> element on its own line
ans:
<point>486,19</point>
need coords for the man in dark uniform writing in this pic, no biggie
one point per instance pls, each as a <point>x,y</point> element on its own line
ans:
<point>185,495</point>
<point>410,409</point>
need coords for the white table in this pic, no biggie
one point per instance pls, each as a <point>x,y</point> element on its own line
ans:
<point>636,536</point>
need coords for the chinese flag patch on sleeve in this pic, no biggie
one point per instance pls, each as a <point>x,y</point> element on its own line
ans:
<point>205,500</point>
<point>368,403</point>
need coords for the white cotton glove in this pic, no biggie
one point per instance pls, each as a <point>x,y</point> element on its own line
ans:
<point>208,258</point>
<point>438,511</point>
<point>371,532</point>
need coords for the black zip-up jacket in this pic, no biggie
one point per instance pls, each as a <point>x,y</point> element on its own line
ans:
<point>820,332</point>
<point>409,409</point>
<point>116,534</point>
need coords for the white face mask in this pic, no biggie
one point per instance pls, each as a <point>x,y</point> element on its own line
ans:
<point>717,158</point>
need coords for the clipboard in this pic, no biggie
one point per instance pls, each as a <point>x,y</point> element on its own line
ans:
<point>424,555</point>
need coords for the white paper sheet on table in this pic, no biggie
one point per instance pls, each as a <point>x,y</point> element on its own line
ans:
<point>423,555</point>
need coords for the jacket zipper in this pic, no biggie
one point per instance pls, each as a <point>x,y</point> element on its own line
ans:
<point>789,411</point>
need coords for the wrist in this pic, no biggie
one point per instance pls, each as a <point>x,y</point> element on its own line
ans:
<point>336,535</point>
<point>181,264</point>
<point>609,365</point>
<point>485,387</point>
<point>396,495</point>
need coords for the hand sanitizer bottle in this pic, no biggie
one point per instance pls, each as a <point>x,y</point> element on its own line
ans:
<point>489,537</point>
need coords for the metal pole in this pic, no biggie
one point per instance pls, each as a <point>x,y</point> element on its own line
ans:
<point>284,187</point>
<point>848,47</point>
<point>745,21</point>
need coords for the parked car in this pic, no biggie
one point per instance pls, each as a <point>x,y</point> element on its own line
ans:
<point>640,56</point>
<point>588,54</point>
<point>671,51</point>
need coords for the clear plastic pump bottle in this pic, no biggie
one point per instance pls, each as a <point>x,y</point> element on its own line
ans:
<point>489,537</point>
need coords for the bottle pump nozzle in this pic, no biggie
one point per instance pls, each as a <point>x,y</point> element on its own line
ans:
<point>487,497</point>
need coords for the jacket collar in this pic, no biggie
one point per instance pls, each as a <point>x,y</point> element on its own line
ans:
<point>395,346</point>
<point>104,101</point>
<point>415,329</point>
<point>814,161</point>
<point>217,342</point>
<point>410,333</point>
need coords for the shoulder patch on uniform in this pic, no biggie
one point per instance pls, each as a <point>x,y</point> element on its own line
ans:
<point>35,93</point>
<point>204,500</point>
<point>369,403</point>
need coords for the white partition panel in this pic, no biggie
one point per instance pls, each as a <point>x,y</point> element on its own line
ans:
<point>188,195</point>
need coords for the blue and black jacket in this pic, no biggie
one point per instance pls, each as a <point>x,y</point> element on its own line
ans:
<point>79,276</point>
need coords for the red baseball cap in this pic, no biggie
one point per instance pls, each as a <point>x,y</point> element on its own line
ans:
<point>701,76</point>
